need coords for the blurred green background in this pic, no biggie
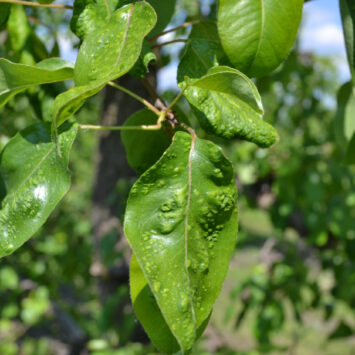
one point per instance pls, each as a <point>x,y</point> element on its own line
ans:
<point>291,284</point>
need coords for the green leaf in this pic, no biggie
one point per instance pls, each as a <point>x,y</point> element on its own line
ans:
<point>4,14</point>
<point>344,123</point>
<point>15,78</point>
<point>111,51</point>
<point>36,178</point>
<point>91,15</point>
<point>147,57</point>
<point>18,27</point>
<point>68,102</point>
<point>187,236</point>
<point>257,35</point>
<point>347,9</point>
<point>350,152</point>
<point>144,148</point>
<point>164,10</point>
<point>149,314</point>
<point>202,52</point>
<point>228,105</point>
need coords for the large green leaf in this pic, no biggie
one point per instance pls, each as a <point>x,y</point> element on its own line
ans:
<point>68,102</point>
<point>15,78</point>
<point>90,15</point>
<point>36,178</point>
<point>344,123</point>
<point>258,34</point>
<point>112,50</point>
<point>347,9</point>
<point>181,221</point>
<point>144,148</point>
<point>228,105</point>
<point>148,312</point>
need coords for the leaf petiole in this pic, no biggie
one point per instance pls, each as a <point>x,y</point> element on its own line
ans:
<point>138,98</point>
<point>184,25</point>
<point>120,128</point>
<point>36,4</point>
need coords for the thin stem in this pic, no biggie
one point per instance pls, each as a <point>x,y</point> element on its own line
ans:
<point>107,9</point>
<point>36,4</point>
<point>138,98</point>
<point>169,42</point>
<point>184,25</point>
<point>120,128</point>
<point>177,98</point>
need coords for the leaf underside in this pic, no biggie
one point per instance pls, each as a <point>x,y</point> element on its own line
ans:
<point>187,236</point>
<point>36,178</point>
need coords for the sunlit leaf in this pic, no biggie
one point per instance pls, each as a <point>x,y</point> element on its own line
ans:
<point>257,35</point>
<point>187,236</point>
<point>36,178</point>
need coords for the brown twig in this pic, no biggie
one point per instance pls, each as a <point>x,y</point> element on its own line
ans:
<point>184,25</point>
<point>36,4</point>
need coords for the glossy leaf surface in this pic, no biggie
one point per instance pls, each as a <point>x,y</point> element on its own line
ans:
<point>187,236</point>
<point>67,103</point>
<point>36,178</point>
<point>15,78</point>
<point>90,15</point>
<point>111,51</point>
<point>148,312</point>
<point>347,9</point>
<point>228,105</point>
<point>144,148</point>
<point>257,35</point>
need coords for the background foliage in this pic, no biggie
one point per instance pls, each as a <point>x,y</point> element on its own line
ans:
<point>291,285</point>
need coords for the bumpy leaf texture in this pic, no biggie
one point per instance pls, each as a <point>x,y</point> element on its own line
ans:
<point>112,51</point>
<point>257,35</point>
<point>187,236</point>
<point>15,78</point>
<point>36,178</point>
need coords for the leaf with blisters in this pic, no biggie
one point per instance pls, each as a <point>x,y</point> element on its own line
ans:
<point>112,50</point>
<point>36,178</point>
<point>90,15</point>
<point>187,236</point>
<point>228,104</point>
<point>144,148</point>
<point>347,9</point>
<point>257,35</point>
<point>149,314</point>
<point>68,102</point>
<point>15,77</point>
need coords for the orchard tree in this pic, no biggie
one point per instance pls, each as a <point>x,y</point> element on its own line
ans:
<point>181,217</point>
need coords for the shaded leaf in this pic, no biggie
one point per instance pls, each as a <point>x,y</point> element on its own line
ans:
<point>164,10</point>
<point>257,35</point>
<point>15,77</point>
<point>228,105</point>
<point>147,57</point>
<point>144,148</point>
<point>68,102</point>
<point>149,314</point>
<point>344,123</point>
<point>36,178</point>
<point>90,15</point>
<point>111,51</point>
<point>187,236</point>
<point>4,14</point>
<point>350,152</point>
<point>347,10</point>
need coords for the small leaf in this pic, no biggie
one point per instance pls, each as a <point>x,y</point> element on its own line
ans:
<point>344,123</point>
<point>90,15</point>
<point>228,105</point>
<point>112,50</point>
<point>36,178</point>
<point>15,78</point>
<point>18,27</point>
<point>257,35</point>
<point>149,314</point>
<point>347,9</point>
<point>68,102</point>
<point>187,236</point>
<point>144,148</point>
<point>147,57</point>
